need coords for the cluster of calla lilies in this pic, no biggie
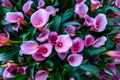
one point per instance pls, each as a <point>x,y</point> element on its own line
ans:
<point>49,40</point>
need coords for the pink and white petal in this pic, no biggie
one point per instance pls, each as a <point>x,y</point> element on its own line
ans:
<point>99,42</point>
<point>38,56</point>
<point>41,75</point>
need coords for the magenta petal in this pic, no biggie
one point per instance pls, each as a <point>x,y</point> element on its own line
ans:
<point>63,43</point>
<point>45,49</point>
<point>100,23</point>
<point>52,38</point>
<point>114,53</point>
<point>51,10</point>
<point>117,3</point>
<point>117,60</point>
<point>44,35</point>
<point>7,72</point>
<point>78,45</point>
<point>62,56</point>
<point>29,47</point>
<point>41,75</point>
<point>89,39</point>
<point>39,18</point>
<point>75,59</point>
<point>99,42</point>
<point>13,17</point>
<point>38,56</point>
<point>27,5</point>
<point>89,21</point>
<point>112,67</point>
<point>80,1</point>
<point>70,30</point>
<point>72,78</point>
<point>41,3</point>
<point>7,3</point>
<point>81,9</point>
<point>22,70</point>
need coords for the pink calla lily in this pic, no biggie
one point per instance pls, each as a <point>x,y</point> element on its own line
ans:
<point>7,3</point>
<point>89,39</point>
<point>75,59</point>
<point>41,75</point>
<point>29,47</point>
<point>117,3</point>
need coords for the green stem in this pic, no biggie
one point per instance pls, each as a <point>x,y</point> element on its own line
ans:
<point>17,42</point>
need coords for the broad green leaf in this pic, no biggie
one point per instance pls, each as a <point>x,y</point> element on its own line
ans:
<point>9,54</point>
<point>90,68</point>
<point>51,76</point>
<point>111,8</point>
<point>56,22</point>
<point>67,14</point>
<point>109,43</point>
<point>57,76</point>
<point>93,51</point>
<point>70,23</point>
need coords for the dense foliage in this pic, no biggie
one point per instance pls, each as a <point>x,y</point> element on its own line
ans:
<point>59,39</point>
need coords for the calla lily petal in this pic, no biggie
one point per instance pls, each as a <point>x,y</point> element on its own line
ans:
<point>75,59</point>
<point>7,3</point>
<point>29,47</point>
<point>70,30</point>
<point>117,3</point>
<point>41,3</point>
<point>89,39</point>
<point>63,43</point>
<point>41,75</point>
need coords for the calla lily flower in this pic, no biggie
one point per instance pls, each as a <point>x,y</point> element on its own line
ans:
<point>95,4</point>
<point>44,35</point>
<point>80,1</point>
<point>39,18</point>
<point>78,45</point>
<point>117,60</point>
<point>62,56</point>
<point>13,17</point>
<point>8,71</point>
<point>113,53</point>
<point>26,7</point>
<point>113,14</point>
<point>99,42</point>
<point>45,49</point>
<point>52,38</point>
<point>75,59</point>
<point>89,39</point>
<point>89,21</point>
<point>7,3</point>
<point>41,75</point>
<point>70,30</point>
<point>63,43</point>
<point>41,3</point>
<point>4,39</point>
<point>100,23</point>
<point>38,56</point>
<point>29,47</point>
<point>81,9</point>
<point>51,10</point>
<point>117,3</point>
<point>22,70</point>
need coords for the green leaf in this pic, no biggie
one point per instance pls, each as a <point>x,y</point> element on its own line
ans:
<point>67,14</point>
<point>56,22</point>
<point>90,68</point>
<point>57,76</point>
<point>70,23</point>
<point>111,8</point>
<point>32,32</point>
<point>109,43</point>
<point>51,76</point>
<point>93,51</point>
<point>9,54</point>
<point>32,70</point>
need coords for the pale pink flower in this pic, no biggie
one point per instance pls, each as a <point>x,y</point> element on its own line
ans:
<point>75,59</point>
<point>70,29</point>
<point>89,21</point>
<point>77,46</point>
<point>95,4</point>
<point>41,75</point>
<point>39,18</point>
<point>29,47</point>
<point>51,10</point>
<point>42,37</point>
<point>26,7</point>
<point>81,9</point>
<point>63,43</point>
<point>62,56</point>
<point>41,3</point>
<point>117,3</point>
<point>13,17</point>
<point>113,53</point>
<point>7,3</point>
<point>99,42</point>
<point>38,56</point>
<point>100,23</point>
